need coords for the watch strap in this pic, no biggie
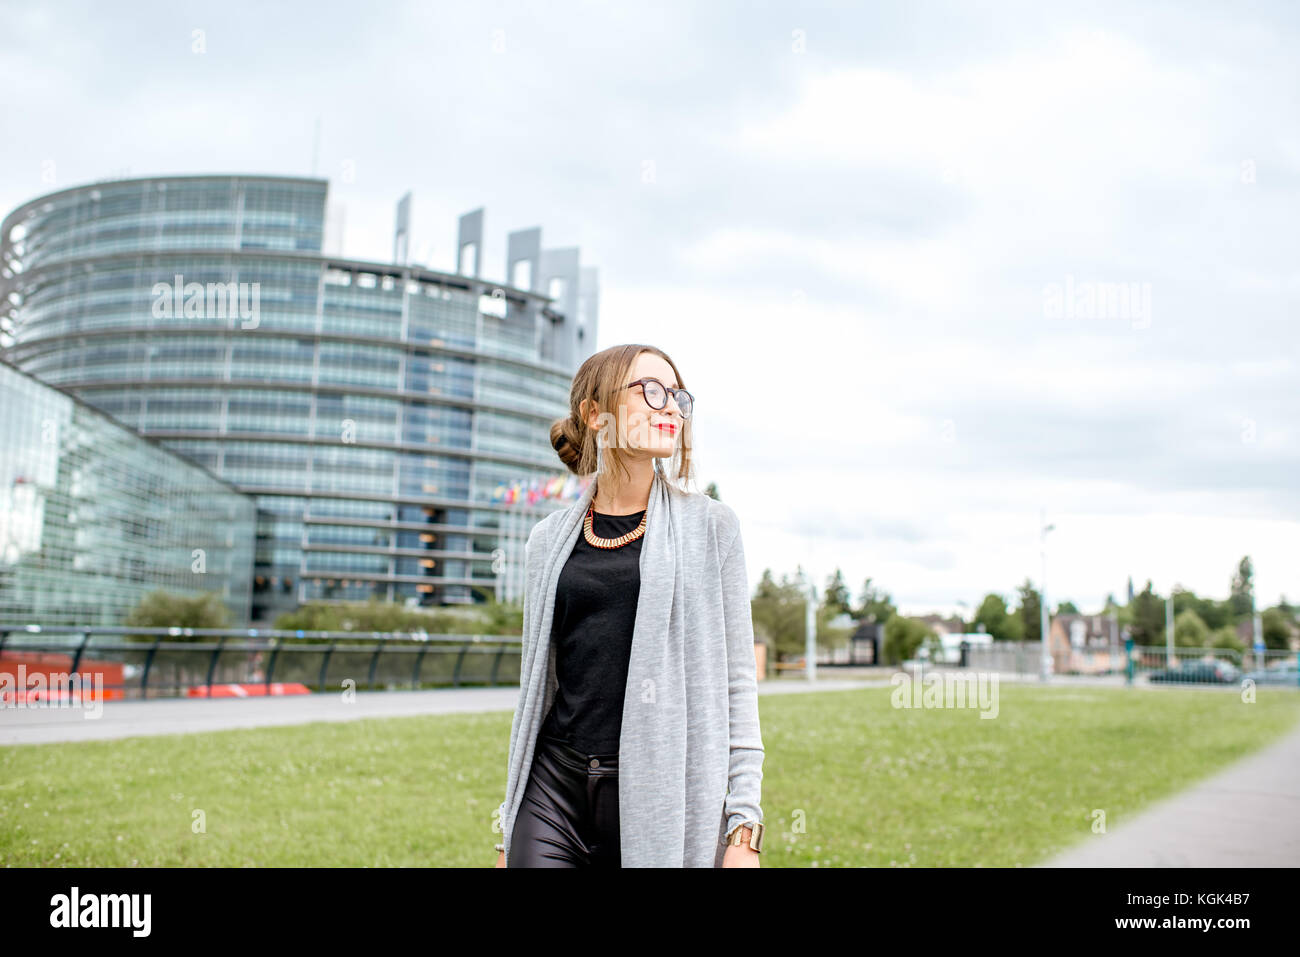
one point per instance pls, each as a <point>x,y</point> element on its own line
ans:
<point>756,829</point>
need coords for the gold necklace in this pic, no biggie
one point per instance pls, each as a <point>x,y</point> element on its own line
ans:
<point>597,542</point>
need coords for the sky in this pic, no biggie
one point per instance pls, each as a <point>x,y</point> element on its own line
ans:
<point>932,271</point>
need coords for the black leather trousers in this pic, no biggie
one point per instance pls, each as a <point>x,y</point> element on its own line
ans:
<point>569,813</point>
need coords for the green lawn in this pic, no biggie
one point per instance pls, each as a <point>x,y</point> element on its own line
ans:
<point>848,781</point>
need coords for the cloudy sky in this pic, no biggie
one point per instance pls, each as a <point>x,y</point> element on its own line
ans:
<point>927,269</point>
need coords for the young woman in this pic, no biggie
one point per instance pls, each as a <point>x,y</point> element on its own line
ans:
<point>636,740</point>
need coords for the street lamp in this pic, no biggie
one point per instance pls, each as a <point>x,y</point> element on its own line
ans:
<point>1045,663</point>
<point>810,633</point>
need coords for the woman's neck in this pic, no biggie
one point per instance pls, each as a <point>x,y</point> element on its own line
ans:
<point>626,499</point>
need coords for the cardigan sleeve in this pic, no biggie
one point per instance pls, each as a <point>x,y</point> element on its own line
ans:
<point>745,772</point>
<point>529,546</point>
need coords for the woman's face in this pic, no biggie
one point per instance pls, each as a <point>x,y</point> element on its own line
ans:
<point>645,431</point>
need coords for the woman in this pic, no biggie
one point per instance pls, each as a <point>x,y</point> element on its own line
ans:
<point>636,739</point>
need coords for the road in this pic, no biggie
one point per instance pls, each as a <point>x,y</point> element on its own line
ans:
<point>126,719</point>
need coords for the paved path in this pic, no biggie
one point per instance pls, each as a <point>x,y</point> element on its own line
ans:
<point>125,719</point>
<point>1247,815</point>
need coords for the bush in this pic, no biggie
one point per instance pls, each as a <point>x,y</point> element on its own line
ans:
<point>1225,637</point>
<point>903,636</point>
<point>1190,631</point>
<point>491,618</point>
<point>164,609</point>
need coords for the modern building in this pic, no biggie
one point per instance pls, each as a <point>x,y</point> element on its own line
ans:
<point>94,516</point>
<point>371,408</point>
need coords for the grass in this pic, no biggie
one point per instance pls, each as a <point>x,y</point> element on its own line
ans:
<point>848,781</point>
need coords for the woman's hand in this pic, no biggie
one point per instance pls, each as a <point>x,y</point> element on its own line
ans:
<point>501,858</point>
<point>740,855</point>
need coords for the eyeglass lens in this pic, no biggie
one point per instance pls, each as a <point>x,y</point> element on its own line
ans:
<point>657,398</point>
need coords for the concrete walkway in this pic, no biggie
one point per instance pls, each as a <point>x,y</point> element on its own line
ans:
<point>127,719</point>
<point>1247,815</point>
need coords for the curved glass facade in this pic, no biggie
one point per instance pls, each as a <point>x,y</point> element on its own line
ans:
<point>94,517</point>
<point>372,409</point>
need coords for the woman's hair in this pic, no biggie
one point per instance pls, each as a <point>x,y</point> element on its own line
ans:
<point>602,379</point>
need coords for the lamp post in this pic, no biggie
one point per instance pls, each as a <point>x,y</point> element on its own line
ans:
<point>1046,660</point>
<point>1258,629</point>
<point>810,634</point>
<point>1169,630</point>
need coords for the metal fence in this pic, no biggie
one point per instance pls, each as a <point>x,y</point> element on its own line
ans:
<point>1159,665</point>
<point>1143,664</point>
<point>1022,658</point>
<point>170,662</point>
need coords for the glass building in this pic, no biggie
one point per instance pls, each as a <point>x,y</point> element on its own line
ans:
<point>374,410</point>
<point>95,516</point>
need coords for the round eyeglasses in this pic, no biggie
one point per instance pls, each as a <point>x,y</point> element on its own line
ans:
<point>656,396</point>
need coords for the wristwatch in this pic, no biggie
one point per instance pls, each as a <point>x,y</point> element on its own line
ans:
<point>755,835</point>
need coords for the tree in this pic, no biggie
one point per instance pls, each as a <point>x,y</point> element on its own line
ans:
<point>1243,590</point>
<point>997,621</point>
<point>1275,629</point>
<point>780,614</point>
<point>1190,631</point>
<point>874,605</point>
<point>903,636</point>
<point>836,597</point>
<point>711,490</point>
<point>834,605</point>
<point>1069,608</point>
<point>1214,613</point>
<point>164,609</point>
<point>1288,611</point>
<point>1030,611</point>
<point>1147,613</point>
<point>1226,637</point>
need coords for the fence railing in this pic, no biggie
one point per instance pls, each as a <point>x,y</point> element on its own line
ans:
<point>137,662</point>
<point>1157,664</point>
<point>1146,664</point>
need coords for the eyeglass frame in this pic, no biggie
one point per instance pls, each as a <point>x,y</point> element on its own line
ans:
<point>667,393</point>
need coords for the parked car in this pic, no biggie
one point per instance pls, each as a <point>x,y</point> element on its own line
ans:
<point>1285,672</point>
<point>1198,672</point>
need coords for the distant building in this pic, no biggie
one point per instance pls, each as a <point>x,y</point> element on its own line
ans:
<point>1084,631</point>
<point>94,516</point>
<point>375,410</point>
<point>943,625</point>
<point>1083,644</point>
<point>865,644</point>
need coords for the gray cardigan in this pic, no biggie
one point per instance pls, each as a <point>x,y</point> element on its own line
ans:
<point>690,752</point>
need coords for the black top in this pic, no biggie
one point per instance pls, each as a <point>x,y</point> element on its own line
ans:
<point>595,610</point>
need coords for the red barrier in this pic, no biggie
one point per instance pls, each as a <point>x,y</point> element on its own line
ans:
<point>20,667</point>
<point>249,690</point>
